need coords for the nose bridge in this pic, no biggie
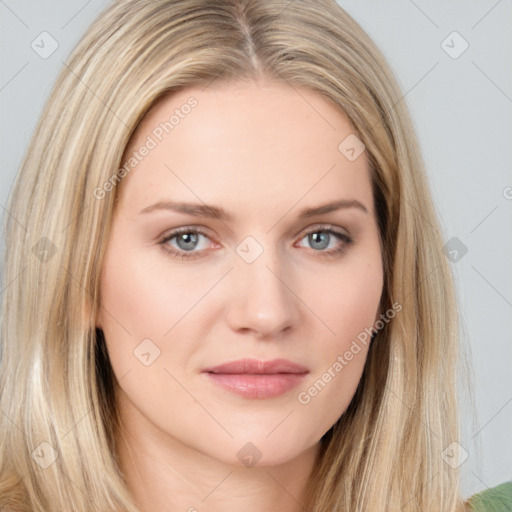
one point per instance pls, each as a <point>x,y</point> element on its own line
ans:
<point>262,298</point>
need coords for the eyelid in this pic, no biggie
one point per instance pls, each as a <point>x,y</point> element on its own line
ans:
<point>171,233</point>
<point>320,226</point>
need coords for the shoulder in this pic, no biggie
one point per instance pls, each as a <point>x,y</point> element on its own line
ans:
<point>494,499</point>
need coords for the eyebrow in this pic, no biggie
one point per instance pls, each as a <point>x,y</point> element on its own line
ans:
<point>217,212</point>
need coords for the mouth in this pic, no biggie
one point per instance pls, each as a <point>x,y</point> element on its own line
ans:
<point>256,367</point>
<point>251,378</point>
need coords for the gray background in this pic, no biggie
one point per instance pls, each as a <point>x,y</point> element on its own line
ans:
<point>462,109</point>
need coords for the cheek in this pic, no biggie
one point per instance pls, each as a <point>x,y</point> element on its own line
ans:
<point>138,293</point>
<point>141,304</point>
<point>135,305</point>
<point>346,300</point>
<point>142,299</point>
<point>348,309</point>
<point>129,296</point>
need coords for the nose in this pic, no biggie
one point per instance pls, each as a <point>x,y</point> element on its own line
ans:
<point>262,297</point>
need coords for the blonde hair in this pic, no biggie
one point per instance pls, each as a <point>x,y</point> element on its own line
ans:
<point>385,452</point>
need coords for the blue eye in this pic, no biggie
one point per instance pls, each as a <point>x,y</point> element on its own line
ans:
<point>320,238</point>
<point>187,240</point>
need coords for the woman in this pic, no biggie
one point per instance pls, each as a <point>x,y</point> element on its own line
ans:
<point>173,336</point>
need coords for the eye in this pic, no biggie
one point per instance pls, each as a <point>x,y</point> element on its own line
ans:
<point>186,240</point>
<point>322,237</point>
<point>184,243</point>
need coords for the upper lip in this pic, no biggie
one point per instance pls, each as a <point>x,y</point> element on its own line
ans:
<point>255,367</point>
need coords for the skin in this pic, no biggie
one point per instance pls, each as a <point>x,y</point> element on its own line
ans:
<point>262,152</point>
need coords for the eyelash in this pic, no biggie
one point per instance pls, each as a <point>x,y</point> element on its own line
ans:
<point>193,255</point>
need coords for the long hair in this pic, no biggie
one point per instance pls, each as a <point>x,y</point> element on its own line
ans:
<point>58,418</point>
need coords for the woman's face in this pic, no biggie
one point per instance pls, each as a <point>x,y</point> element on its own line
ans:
<point>268,272</point>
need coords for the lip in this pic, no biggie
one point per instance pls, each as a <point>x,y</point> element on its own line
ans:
<point>255,366</point>
<point>252,378</point>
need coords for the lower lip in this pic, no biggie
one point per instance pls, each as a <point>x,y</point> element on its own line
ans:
<point>257,386</point>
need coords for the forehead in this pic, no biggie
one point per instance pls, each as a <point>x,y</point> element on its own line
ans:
<point>245,145</point>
